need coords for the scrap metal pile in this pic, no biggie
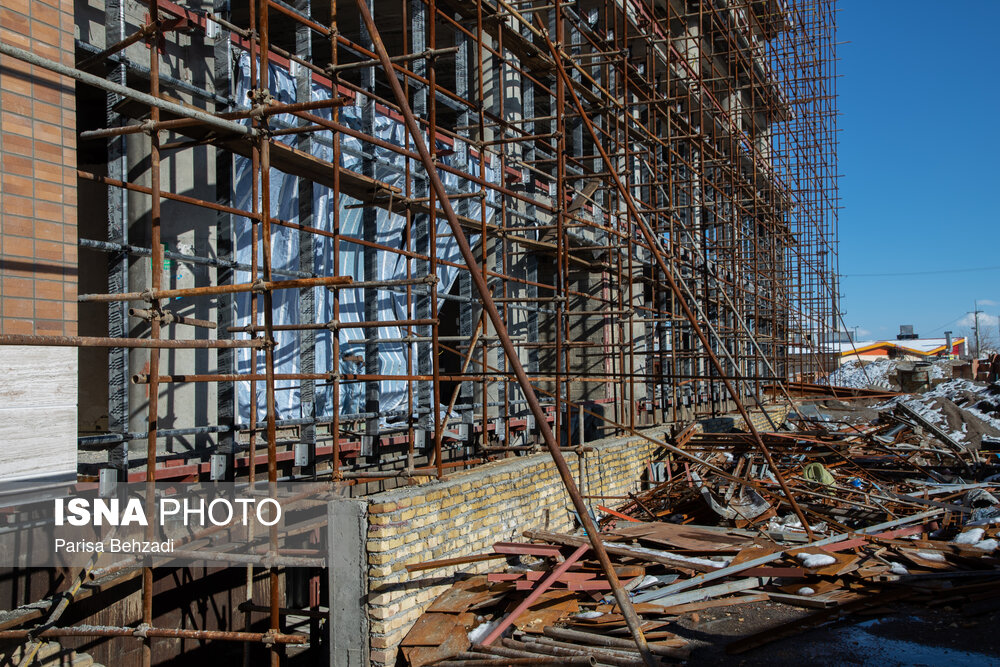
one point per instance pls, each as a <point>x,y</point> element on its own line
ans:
<point>897,508</point>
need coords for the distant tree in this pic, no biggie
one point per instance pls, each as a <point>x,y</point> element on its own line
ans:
<point>987,340</point>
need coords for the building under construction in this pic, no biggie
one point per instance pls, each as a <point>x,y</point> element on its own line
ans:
<point>373,243</point>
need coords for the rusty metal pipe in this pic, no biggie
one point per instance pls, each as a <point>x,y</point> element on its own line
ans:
<point>606,656</point>
<point>257,111</point>
<point>140,34</point>
<point>429,53</point>
<point>171,633</point>
<point>484,292</point>
<point>97,341</point>
<point>480,661</point>
<point>168,317</point>
<point>264,286</point>
<point>332,378</point>
<point>270,400</point>
<point>125,91</point>
<point>674,287</point>
<point>334,326</point>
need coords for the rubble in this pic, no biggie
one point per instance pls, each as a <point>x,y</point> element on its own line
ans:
<point>900,505</point>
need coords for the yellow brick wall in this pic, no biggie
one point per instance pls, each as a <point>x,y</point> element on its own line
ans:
<point>465,515</point>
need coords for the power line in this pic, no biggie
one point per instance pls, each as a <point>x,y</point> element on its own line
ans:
<point>950,323</point>
<point>918,273</point>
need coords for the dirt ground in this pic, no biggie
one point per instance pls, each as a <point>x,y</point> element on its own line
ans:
<point>906,635</point>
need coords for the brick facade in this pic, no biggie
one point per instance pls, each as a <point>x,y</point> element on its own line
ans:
<point>466,514</point>
<point>38,233</point>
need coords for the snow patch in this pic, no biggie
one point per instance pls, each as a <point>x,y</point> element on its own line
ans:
<point>931,555</point>
<point>969,536</point>
<point>860,375</point>
<point>815,560</point>
<point>986,545</point>
<point>481,631</point>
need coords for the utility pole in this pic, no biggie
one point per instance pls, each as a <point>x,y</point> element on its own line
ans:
<point>975,312</point>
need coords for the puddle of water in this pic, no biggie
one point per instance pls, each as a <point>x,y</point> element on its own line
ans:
<point>876,649</point>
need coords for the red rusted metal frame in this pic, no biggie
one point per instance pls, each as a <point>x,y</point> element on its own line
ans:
<point>536,593</point>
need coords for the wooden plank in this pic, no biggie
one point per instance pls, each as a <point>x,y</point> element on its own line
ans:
<point>530,55</point>
<point>862,541</point>
<point>536,575</point>
<point>283,158</point>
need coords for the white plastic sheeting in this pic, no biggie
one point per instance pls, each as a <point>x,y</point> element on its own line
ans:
<point>284,193</point>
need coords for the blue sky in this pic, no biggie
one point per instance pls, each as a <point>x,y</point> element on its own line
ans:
<point>919,150</point>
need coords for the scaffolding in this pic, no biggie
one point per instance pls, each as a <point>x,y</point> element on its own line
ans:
<point>424,242</point>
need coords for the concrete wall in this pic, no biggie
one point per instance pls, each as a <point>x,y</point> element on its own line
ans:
<point>466,514</point>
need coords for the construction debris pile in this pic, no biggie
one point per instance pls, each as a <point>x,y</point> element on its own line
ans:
<point>900,505</point>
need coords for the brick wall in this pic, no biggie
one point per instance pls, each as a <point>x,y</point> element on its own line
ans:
<point>465,515</point>
<point>38,255</point>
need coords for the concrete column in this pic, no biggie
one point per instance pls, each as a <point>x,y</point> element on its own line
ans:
<point>307,296</point>
<point>225,245</point>
<point>369,230</point>
<point>347,572</point>
<point>422,229</point>
<point>118,271</point>
<point>464,69</point>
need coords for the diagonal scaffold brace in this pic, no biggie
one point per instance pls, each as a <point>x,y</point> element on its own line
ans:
<point>593,533</point>
<point>654,247</point>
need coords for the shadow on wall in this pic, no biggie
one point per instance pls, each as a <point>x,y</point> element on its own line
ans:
<point>593,422</point>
